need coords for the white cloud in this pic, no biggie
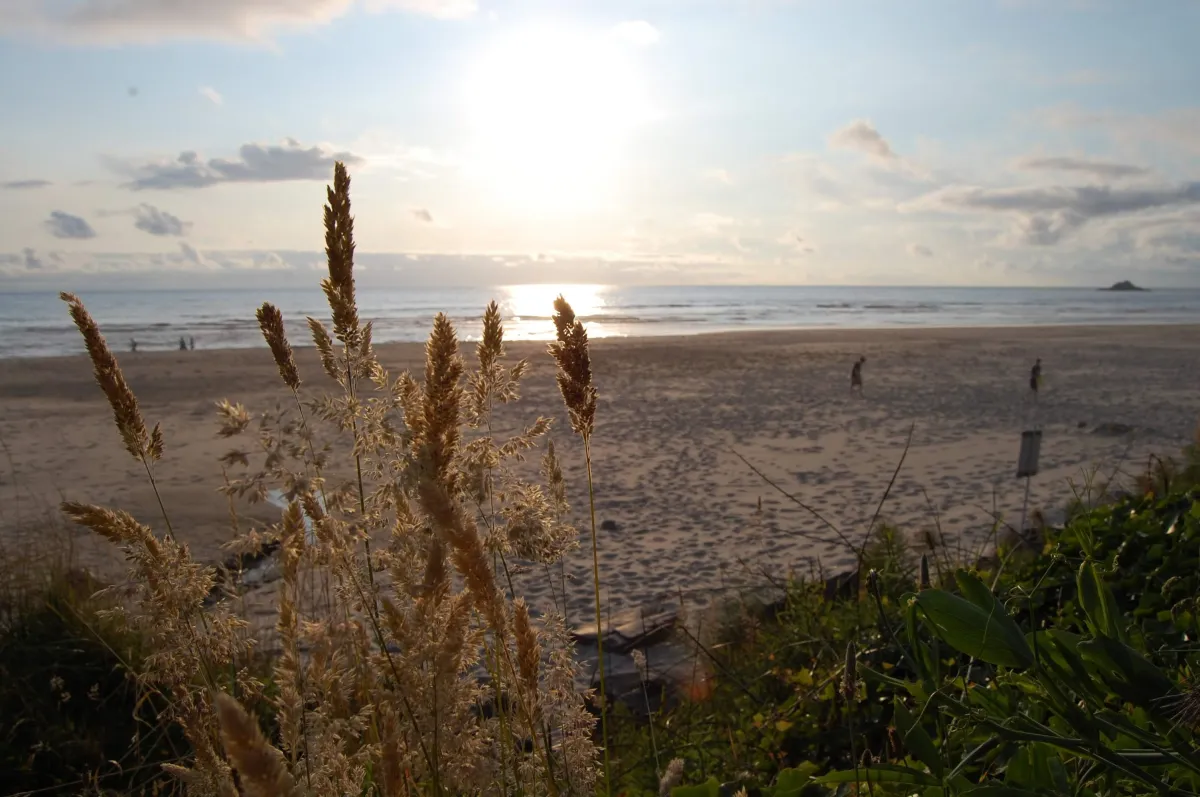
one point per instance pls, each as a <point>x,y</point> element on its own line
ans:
<point>64,225</point>
<point>714,224</point>
<point>919,250</point>
<point>193,255</point>
<point>1044,216</point>
<point>127,21</point>
<point>1174,129</point>
<point>243,268</point>
<point>1091,166</point>
<point>256,163</point>
<point>637,32</point>
<point>31,261</point>
<point>212,95</point>
<point>797,242</point>
<point>861,136</point>
<point>24,185</point>
<point>148,218</point>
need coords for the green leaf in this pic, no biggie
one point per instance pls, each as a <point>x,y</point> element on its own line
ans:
<point>709,788</point>
<point>1128,673</point>
<point>1062,647</point>
<point>1031,766</point>
<point>989,635</point>
<point>1098,603</point>
<point>880,773</point>
<point>792,782</point>
<point>997,790</point>
<point>976,591</point>
<point>915,739</point>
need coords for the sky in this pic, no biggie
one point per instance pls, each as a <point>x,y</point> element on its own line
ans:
<point>178,143</point>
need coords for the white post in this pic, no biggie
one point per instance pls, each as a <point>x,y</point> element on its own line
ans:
<point>1027,467</point>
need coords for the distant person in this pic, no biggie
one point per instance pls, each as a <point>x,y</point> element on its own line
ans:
<point>1035,378</point>
<point>191,344</point>
<point>856,385</point>
<point>132,344</point>
<point>182,344</point>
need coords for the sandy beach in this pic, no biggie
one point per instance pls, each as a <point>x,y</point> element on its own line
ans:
<point>679,504</point>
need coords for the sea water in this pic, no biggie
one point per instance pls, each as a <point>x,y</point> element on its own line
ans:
<point>37,324</point>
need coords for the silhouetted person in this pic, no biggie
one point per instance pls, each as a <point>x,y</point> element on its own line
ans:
<point>191,344</point>
<point>132,344</point>
<point>856,383</point>
<point>182,344</point>
<point>1035,377</point>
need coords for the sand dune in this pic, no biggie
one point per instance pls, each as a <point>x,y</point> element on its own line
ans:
<point>672,414</point>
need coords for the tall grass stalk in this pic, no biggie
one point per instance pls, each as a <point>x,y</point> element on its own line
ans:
<point>376,693</point>
<point>572,352</point>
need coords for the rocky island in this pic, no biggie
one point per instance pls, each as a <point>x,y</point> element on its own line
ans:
<point>1123,285</point>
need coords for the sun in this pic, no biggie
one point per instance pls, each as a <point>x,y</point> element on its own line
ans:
<point>550,111</point>
<point>537,301</point>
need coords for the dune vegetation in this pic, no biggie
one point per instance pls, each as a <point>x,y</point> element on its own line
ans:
<point>401,662</point>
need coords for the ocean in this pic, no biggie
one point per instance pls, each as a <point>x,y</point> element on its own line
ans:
<point>37,325</point>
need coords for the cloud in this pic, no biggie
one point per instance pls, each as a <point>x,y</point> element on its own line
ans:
<point>260,268</point>
<point>21,185</point>
<point>861,136</point>
<point>797,242</point>
<point>64,225</point>
<point>1096,168</point>
<point>637,31</point>
<point>256,163</point>
<point>127,21</point>
<point>422,215</point>
<point>148,218</point>
<point>1173,129</point>
<point>193,255</point>
<point>31,261</point>
<point>1174,240</point>
<point>1044,216</point>
<point>714,224</point>
<point>816,176</point>
<point>212,95</point>
<point>919,250</point>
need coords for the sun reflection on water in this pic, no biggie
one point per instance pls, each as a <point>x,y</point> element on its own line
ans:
<point>528,309</point>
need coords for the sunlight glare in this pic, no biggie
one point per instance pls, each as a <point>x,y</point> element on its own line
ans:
<point>537,301</point>
<point>549,111</point>
<point>528,310</point>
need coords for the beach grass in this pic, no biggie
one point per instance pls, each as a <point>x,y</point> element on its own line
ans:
<point>400,658</point>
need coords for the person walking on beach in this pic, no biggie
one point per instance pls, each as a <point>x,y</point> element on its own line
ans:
<point>856,383</point>
<point>182,344</point>
<point>191,344</point>
<point>1035,378</point>
<point>132,344</point>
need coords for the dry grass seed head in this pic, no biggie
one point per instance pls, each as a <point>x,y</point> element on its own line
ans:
<point>437,428</point>
<point>529,653</point>
<point>115,526</point>
<point>671,778</point>
<point>339,252</point>
<point>234,418</point>
<point>139,442</point>
<point>324,344</point>
<point>572,354</point>
<point>260,766</point>
<point>491,342</point>
<point>270,321</point>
